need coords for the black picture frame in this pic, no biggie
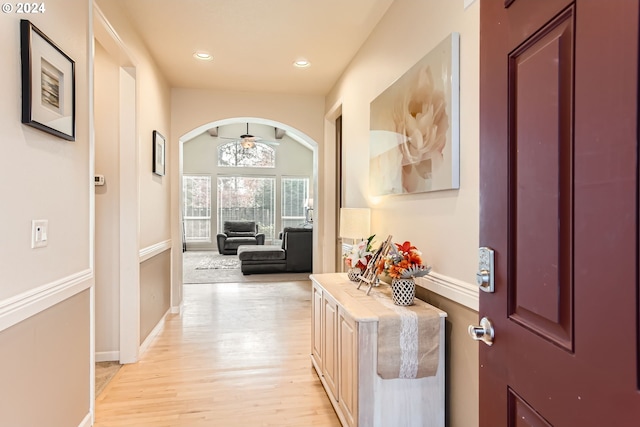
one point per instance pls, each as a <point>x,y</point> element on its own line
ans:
<point>48,84</point>
<point>159,153</point>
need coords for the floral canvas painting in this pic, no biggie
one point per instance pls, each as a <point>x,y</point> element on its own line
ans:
<point>414,127</point>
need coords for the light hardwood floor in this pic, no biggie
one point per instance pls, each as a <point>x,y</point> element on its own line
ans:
<point>237,356</point>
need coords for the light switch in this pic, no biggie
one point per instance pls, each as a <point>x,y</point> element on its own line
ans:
<point>39,231</point>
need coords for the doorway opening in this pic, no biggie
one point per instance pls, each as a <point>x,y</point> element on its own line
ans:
<point>271,181</point>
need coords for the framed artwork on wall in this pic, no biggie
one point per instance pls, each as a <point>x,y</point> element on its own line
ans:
<point>158,153</point>
<point>414,126</point>
<point>48,84</point>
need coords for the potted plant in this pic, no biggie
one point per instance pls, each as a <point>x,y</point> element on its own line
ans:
<point>403,263</point>
<point>358,258</point>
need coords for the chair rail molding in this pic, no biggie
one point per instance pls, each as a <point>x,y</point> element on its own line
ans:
<point>456,290</point>
<point>22,306</point>
<point>153,250</point>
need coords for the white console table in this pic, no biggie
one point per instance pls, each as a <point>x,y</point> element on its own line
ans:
<point>344,354</point>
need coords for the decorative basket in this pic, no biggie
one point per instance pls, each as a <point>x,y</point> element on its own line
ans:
<point>403,291</point>
<point>353,274</point>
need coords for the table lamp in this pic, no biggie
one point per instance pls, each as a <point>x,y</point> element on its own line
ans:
<point>355,223</point>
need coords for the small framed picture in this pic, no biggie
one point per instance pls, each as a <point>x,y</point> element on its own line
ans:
<point>48,84</point>
<point>158,153</point>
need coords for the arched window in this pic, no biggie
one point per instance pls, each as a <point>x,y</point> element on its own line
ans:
<point>232,154</point>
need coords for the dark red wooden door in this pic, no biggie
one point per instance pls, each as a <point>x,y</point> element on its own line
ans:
<point>559,205</point>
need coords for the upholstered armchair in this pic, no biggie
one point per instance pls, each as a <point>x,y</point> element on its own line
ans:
<point>236,233</point>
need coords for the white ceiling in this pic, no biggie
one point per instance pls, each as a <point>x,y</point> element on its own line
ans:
<point>254,42</point>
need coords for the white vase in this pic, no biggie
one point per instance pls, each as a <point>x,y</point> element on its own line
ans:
<point>354,273</point>
<point>403,291</point>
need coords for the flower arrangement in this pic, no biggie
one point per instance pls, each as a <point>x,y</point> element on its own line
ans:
<point>402,261</point>
<point>360,254</point>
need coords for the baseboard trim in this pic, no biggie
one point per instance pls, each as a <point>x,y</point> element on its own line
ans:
<point>22,306</point>
<point>456,290</point>
<point>153,250</point>
<point>176,309</point>
<point>107,356</point>
<point>87,421</point>
<point>147,341</point>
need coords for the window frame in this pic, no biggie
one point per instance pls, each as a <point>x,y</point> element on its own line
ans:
<point>259,148</point>
<point>186,218</point>
<point>267,229</point>
<point>283,194</point>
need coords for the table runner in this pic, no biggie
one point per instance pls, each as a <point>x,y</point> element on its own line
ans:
<point>408,336</point>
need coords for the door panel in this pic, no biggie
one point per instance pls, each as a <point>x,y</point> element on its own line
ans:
<point>317,331</point>
<point>559,205</point>
<point>541,181</point>
<point>348,367</point>
<point>523,415</point>
<point>329,348</point>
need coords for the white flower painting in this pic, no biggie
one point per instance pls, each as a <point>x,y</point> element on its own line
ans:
<point>414,139</point>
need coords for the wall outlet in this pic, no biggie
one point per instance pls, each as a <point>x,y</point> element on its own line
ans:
<point>39,232</point>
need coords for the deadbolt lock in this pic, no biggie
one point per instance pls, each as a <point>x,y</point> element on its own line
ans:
<point>485,274</point>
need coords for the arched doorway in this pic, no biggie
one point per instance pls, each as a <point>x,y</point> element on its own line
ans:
<point>208,138</point>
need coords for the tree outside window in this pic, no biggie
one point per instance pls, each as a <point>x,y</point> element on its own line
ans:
<point>248,199</point>
<point>232,154</point>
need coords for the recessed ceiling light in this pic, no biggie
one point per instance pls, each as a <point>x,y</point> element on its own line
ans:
<point>302,63</point>
<point>203,56</point>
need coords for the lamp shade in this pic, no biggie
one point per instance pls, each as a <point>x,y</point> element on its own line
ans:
<point>355,223</point>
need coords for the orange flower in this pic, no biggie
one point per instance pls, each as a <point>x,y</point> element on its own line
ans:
<point>403,260</point>
<point>414,258</point>
<point>405,247</point>
<point>395,271</point>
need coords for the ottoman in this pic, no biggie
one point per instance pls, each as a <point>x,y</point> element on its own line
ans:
<point>262,259</point>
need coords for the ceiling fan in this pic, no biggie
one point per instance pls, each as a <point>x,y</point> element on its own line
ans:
<point>247,140</point>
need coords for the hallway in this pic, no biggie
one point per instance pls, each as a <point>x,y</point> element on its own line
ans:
<point>237,356</point>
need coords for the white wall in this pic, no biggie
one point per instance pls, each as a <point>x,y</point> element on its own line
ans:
<point>153,114</point>
<point>107,206</point>
<point>134,205</point>
<point>444,225</point>
<point>44,296</point>
<point>45,177</point>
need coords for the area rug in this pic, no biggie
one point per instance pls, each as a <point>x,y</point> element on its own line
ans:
<point>191,274</point>
<point>219,262</point>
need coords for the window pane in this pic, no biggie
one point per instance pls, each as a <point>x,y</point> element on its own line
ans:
<point>248,199</point>
<point>232,154</point>
<point>196,207</point>
<point>295,192</point>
